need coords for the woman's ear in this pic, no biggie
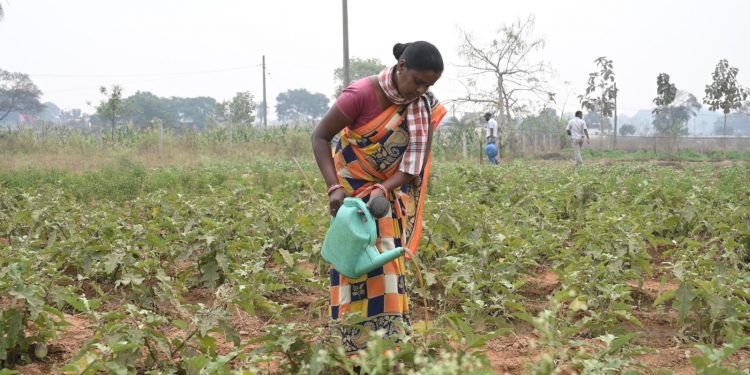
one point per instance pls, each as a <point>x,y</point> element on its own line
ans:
<point>401,66</point>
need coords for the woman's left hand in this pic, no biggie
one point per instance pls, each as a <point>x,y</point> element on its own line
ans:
<point>373,194</point>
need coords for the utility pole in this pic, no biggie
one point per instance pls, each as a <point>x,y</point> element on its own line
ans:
<point>265,103</point>
<point>346,43</point>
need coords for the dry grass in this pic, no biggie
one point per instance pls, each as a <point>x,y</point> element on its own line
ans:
<point>82,161</point>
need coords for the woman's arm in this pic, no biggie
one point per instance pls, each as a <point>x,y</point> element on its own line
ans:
<point>331,124</point>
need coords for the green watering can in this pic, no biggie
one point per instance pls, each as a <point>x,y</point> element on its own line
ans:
<point>350,242</point>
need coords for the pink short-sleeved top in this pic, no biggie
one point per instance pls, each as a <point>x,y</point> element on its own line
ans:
<point>360,102</point>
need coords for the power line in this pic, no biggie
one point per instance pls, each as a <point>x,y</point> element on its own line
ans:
<point>159,78</point>
<point>49,75</point>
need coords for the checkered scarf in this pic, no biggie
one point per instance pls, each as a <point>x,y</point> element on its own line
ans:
<point>417,119</point>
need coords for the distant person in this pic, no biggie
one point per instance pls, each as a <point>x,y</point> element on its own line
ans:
<point>386,123</point>
<point>492,147</point>
<point>577,130</point>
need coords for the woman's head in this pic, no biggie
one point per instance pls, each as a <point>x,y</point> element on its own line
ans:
<point>419,67</point>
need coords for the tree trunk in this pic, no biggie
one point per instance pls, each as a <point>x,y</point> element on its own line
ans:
<point>501,106</point>
<point>500,102</point>
<point>463,144</point>
<point>508,119</point>
<point>601,131</point>
<point>615,133</point>
<point>615,113</point>
<point>725,131</point>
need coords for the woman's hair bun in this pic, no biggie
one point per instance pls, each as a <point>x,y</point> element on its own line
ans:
<point>398,49</point>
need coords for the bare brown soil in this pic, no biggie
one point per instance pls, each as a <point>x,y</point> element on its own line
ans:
<point>512,354</point>
<point>62,350</point>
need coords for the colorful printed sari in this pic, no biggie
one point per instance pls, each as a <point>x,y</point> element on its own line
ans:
<point>366,156</point>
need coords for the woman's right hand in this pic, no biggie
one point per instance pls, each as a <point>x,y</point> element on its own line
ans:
<point>335,200</point>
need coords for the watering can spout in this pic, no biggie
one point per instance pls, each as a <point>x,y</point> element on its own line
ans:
<point>375,259</point>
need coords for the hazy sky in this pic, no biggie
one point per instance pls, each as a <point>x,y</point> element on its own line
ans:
<point>213,48</point>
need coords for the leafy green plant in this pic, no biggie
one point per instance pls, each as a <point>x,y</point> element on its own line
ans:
<point>22,305</point>
<point>141,340</point>
<point>606,354</point>
<point>712,360</point>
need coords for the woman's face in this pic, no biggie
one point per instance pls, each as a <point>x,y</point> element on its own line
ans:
<point>412,83</point>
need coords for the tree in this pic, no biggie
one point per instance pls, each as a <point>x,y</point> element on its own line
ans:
<point>595,120</point>
<point>143,107</point>
<point>200,110</point>
<point>300,105</point>
<point>673,119</point>
<point>508,60</point>
<point>239,110</point>
<point>50,113</point>
<point>221,112</point>
<point>18,94</point>
<point>358,68</point>
<point>627,129</point>
<point>112,107</point>
<point>724,92</point>
<point>665,94</point>
<point>601,90</point>
<point>737,123</point>
<point>546,121</point>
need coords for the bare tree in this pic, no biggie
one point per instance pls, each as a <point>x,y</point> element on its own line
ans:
<point>507,61</point>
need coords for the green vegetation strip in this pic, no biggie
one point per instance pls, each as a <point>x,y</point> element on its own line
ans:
<point>128,248</point>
